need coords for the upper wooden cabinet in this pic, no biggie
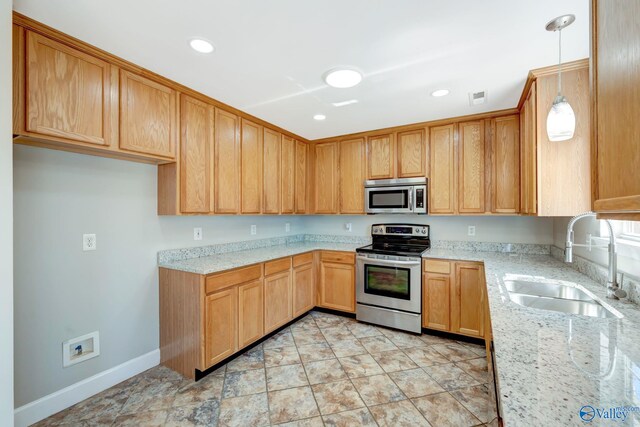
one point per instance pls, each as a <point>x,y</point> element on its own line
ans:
<point>412,153</point>
<point>287,175</point>
<point>442,181</point>
<point>326,179</point>
<point>226,166</point>
<point>68,92</point>
<point>196,148</point>
<point>271,167</point>
<point>301,171</point>
<point>148,122</point>
<point>380,156</point>
<point>505,173</point>
<point>471,167</point>
<point>251,167</point>
<point>352,176</point>
<point>616,99</point>
<point>556,176</point>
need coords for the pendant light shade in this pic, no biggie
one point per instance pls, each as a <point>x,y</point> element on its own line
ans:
<point>561,121</point>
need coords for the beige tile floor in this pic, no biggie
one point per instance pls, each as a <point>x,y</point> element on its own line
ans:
<point>323,370</point>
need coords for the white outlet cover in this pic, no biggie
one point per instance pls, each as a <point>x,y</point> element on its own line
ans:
<point>287,227</point>
<point>254,230</point>
<point>89,242</point>
<point>472,230</point>
<point>197,233</point>
<point>348,226</point>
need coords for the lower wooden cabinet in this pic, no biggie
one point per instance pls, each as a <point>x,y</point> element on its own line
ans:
<point>250,312</point>
<point>453,297</point>
<point>336,285</point>
<point>221,325</point>
<point>303,284</point>
<point>277,300</point>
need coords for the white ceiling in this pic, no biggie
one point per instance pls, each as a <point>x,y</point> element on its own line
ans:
<point>271,54</point>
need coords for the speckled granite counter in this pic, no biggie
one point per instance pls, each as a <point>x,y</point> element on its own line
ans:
<point>551,364</point>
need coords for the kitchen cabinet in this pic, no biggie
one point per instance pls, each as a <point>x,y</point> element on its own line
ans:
<point>436,295</point>
<point>471,167</point>
<point>326,178</point>
<point>221,319</point>
<point>68,92</point>
<point>302,161</point>
<point>303,284</point>
<point>250,312</point>
<point>196,148</point>
<point>148,111</point>
<point>336,286</point>
<point>352,176</point>
<point>380,156</point>
<point>505,173</point>
<point>271,167</point>
<point>287,175</point>
<point>442,181</point>
<point>412,153</point>
<point>277,294</point>
<point>528,124</point>
<point>251,167</point>
<point>616,100</point>
<point>226,166</point>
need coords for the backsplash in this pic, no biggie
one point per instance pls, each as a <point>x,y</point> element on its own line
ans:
<point>599,273</point>
<point>516,248</point>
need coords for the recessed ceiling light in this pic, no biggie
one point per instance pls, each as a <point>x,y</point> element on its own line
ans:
<point>343,103</point>
<point>319,117</point>
<point>201,45</point>
<point>343,78</point>
<point>440,92</point>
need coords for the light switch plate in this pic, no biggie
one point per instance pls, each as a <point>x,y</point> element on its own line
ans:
<point>348,226</point>
<point>197,233</point>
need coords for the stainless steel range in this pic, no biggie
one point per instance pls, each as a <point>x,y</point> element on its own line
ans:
<point>389,276</point>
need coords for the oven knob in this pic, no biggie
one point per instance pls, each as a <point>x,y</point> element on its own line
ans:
<point>424,231</point>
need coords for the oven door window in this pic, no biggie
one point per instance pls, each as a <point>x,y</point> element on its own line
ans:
<point>394,199</point>
<point>385,281</point>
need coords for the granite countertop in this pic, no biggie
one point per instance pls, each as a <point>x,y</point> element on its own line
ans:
<point>548,364</point>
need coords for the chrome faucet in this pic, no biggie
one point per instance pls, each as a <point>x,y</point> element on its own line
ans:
<point>613,289</point>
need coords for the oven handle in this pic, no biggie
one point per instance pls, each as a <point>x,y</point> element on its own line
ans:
<point>387,262</point>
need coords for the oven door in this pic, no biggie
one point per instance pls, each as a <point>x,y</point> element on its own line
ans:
<point>389,283</point>
<point>389,199</point>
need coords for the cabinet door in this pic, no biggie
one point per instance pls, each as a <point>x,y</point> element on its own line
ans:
<point>442,170</point>
<point>271,167</point>
<point>412,153</point>
<point>147,116</point>
<point>380,157</point>
<point>506,164</point>
<point>287,175</point>
<point>471,167</point>
<point>303,289</point>
<point>196,147</point>
<point>436,300</point>
<point>68,92</point>
<point>251,167</point>
<point>250,313</point>
<point>616,84</point>
<point>221,329</point>
<point>467,302</point>
<point>277,301</point>
<point>528,189</point>
<point>227,163</point>
<point>352,176</point>
<point>302,155</point>
<point>327,178</point>
<point>337,286</point>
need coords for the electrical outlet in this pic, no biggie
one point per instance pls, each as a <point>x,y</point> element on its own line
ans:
<point>89,242</point>
<point>348,227</point>
<point>254,230</point>
<point>472,230</point>
<point>287,227</point>
<point>197,233</point>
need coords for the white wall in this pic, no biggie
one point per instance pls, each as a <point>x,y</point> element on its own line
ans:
<point>62,292</point>
<point>6,221</point>
<point>508,229</point>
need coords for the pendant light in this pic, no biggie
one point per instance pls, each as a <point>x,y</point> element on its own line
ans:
<point>561,121</point>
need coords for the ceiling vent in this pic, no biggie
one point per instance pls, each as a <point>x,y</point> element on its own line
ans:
<point>477,98</point>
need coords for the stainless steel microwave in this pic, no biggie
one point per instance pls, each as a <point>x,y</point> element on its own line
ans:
<point>405,195</point>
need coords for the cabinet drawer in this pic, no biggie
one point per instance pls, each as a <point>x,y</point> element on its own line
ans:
<point>302,259</point>
<point>339,257</point>
<point>233,277</point>
<point>273,267</point>
<point>437,266</point>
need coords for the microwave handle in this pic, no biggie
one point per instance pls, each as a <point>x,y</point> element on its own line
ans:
<point>411,190</point>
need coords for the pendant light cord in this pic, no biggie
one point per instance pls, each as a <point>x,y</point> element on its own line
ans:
<point>560,62</point>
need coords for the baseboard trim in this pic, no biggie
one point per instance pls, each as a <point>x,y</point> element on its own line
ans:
<point>55,402</point>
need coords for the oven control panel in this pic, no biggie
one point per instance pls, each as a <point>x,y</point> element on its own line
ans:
<point>400,230</point>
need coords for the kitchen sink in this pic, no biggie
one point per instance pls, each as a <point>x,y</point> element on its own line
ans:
<point>556,297</point>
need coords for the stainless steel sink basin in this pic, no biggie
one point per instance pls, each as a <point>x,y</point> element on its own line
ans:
<point>556,297</point>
